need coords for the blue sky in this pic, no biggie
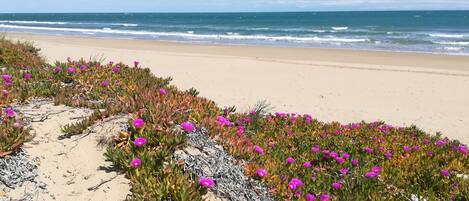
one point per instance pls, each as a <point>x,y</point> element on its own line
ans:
<point>8,6</point>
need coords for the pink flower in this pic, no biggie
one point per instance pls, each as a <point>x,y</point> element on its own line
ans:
<point>371,175</point>
<point>406,149</point>
<point>105,83</point>
<point>187,126</point>
<point>463,149</point>
<point>444,173</point>
<point>136,63</point>
<point>49,78</point>
<point>222,121</point>
<point>339,160</point>
<point>416,148</point>
<point>57,70</point>
<point>354,162</point>
<point>27,76</point>
<point>116,69</point>
<point>388,154</point>
<point>343,171</point>
<point>71,70</point>
<point>333,154</point>
<point>83,67</point>
<point>290,160</point>
<point>16,125</point>
<point>140,141</point>
<point>315,149</point>
<point>162,91</point>
<point>258,149</point>
<point>310,197</point>
<point>6,77</point>
<point>368,150</point>
<point>295,183</point>
<point>440,143</point>
<point>138,123</point>
<point>336,185</point>
<point>324,197</point>
<point>135,162</point>
<point>206,182</point>
<point>345,155</point>
<point>5,92</point>
<point>307,164</point>
<point>9,112</point>
<point>261,173</point>
<point>376,169</point>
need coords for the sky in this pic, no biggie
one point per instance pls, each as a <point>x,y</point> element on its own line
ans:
<point>34,6</point>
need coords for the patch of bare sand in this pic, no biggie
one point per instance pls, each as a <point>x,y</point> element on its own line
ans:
<point>75,168</point>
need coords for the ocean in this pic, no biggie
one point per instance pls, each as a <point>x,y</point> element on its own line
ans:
<point>441,32</point>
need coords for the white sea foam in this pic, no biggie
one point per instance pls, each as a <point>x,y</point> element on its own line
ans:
<point>232,36</point>
<point>318,30</point>
<point>340,28</point>
<point>454,48</point>
<point>444,35</point>
<point>63,23</point>
<point>460,43</point>
<point>30,22</point>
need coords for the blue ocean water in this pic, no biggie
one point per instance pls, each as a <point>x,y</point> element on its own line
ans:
<point>444,32</point>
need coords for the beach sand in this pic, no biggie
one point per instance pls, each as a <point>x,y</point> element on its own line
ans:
<point>427,90</point>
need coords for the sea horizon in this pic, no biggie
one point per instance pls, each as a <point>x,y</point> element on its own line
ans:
<point>431,31</point>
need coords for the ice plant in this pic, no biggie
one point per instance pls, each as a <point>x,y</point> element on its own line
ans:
<point>310,197</point>
<point>116,69</point>
<point>162,91</point>
<point>368,150</point>
<point>5,92</point>
<point>258,149</point>
<point>336,185</point>
<point>371,175</point>
<point>71,70</point>
<point>440,143</point>
<point>388,154</point>
<point>140,141</point>
<point>315,149</point>
<point>261,173</point>
<point>16,125</point>
<point>83,67</point>
<point>136,63</point>
<point>135,162</point>
<point>406,149</point>
<point>138,123</point>
<point>295,183</point>
<point>376,169</point>
<point>354,162</point>
<point>324,197</point>
<point>206,182</point>
<point>57,70</point>
<point>339,160</point>
<point>9,112</point>
<point>290,160</point>
<point>105,83</point>
<point>307,164</point>
<point>444,173</point>
<point>27,76</point>
<point>187,126</point>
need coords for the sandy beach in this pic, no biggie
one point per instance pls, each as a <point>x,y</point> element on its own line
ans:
<point>427,90</point>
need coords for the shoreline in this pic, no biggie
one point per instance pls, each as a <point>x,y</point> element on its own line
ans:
<point>427,90</point>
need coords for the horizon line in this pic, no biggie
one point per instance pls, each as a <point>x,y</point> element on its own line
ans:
<point>196,12</point>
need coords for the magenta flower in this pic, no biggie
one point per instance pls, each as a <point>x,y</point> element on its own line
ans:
<point>9,112</point>
<point>440,143</point>
<point>336,185</point>
<point>406,149</point>
<point>105,83</point>
<point>27,76</point>
<point>388,154</point>
<point>376,169</point>
<point>290,160</point>
<point>6,77</point>
<point>136,63</point>
<point>310,197</point>
<point>135,162</point>
<point>324,197</point>
<point>16,125</point>
<point>5,92</point>
<point>258,149</point>
<point>416,148</point>
<point>222,121</point>
<point>116,69</point>
<point>83,67</point>
<point>71,70</point>
<point>339,160</point>
<point>140,141</point>
<point>333,154</point>
<point>162,91</point>
<point>343,171</point>
<point>187,126</point>
<point>463,149</point>
<point>49,78</point>
<point>444,173</point>
<point>261,173</point>
<point>371,175</point>
<point>368,150</point>
<point>57,70</point>
<point>138,123</point>
<point>346,155</point>
<point>307,164</point>
<point>315,149</point>
<point>206,182</point>
<point>354,162</point>
<point>295,183</point>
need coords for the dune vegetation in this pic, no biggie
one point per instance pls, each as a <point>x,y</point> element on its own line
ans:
<point>296,156</point>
